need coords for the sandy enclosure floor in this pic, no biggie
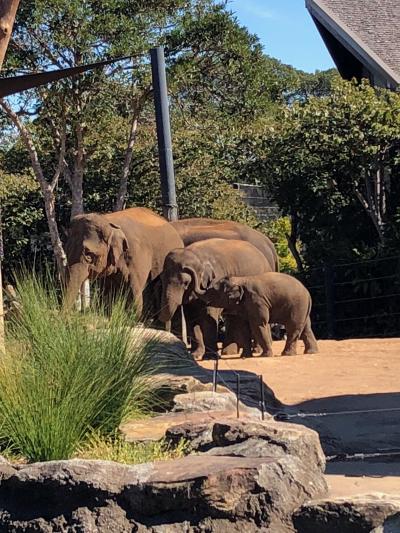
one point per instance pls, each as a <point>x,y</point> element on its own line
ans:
<point>359,366</point>
<point>346,376</point>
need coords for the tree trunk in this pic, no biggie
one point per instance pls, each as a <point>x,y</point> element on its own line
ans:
<point>292,240</point>
<point>47,188</point>
<point>123,184</point>
<point>374,200</point>
<point>50,208</point>
<point>8,10</point>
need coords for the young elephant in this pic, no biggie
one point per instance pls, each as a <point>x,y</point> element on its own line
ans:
<point>266,298</point>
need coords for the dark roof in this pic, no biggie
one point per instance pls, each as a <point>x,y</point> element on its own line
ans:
<point>361,35</point>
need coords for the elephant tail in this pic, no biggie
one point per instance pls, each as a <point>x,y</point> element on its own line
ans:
<point>308,310</point>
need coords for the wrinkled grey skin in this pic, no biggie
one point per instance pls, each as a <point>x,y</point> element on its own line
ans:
<point>237,331</point>
<point>126,247</point>
<point>188,273</point>
<point>266,298</point>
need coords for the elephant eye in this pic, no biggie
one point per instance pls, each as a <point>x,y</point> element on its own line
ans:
<point>89,256</point>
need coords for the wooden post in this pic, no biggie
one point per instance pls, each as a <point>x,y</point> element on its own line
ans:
<point>8,10</point>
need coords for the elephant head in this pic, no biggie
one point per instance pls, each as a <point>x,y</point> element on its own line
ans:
<point>95,248</point>
<point>184,278</point>
<point>224,293</point>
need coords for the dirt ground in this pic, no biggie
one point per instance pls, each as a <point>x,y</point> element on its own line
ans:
<point>356,384</point>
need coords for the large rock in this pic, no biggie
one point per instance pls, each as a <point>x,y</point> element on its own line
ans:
<point>209,401</point>
<point>221,494</point>
<point>155,428</point>
<point>370,513</point>
<point>192,408</point>
<point>251,438</point>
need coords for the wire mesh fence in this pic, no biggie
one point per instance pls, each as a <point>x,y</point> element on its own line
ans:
<point>355,300</point>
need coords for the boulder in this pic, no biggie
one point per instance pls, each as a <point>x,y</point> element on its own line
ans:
<point>368,513</point>
<point>185,495</point>
<point>252,438</point>
<point>209,401</point>
<point>155,428</point>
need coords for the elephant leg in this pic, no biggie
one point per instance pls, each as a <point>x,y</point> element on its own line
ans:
<point>203,327</point>
<point>261,331</point>
<point>308,337</point>
<point>245,338</point>
<point>209,327</point>
<point>257,348</point>
<point>138,284</point>
<point>233,336</point>
<point>293,333</point>
<point>197,342</point>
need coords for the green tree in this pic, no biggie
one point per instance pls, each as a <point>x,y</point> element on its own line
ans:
<point>332,166</point>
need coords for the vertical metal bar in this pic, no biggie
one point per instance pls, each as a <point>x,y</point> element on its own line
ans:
<point>184,327</point>
<point>262,399</point>
<point>215,375</point>
<point>237,395</point>
<point>170,208</point>
<point>330,300</point>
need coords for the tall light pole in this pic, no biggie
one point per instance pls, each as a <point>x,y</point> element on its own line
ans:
<point>8,10</point>
<point>170,208</point>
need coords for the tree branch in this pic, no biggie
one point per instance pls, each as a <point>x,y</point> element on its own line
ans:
<point>123,184</point>
<point>46,188</point>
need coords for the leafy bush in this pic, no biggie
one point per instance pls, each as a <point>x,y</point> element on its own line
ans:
<point>65,376</point>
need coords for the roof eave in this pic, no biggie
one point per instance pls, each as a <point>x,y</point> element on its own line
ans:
<point>351,41</point>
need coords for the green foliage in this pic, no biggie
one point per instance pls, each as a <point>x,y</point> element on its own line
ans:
<point>20,211</point>
<point>225,94</point>
<point>115,448</point>
<point>278,231</point>
<point>321,163</point>
<point>64,376</point>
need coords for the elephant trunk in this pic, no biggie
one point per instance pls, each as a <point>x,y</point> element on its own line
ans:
<point>77,274</point>
<point>171,300</point>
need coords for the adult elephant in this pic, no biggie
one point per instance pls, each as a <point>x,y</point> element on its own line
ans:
<point>188,273</point>
<point>127,246</point>
<point>198,229</point>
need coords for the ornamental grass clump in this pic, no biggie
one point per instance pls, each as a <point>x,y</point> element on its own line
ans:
<point>64,376</point>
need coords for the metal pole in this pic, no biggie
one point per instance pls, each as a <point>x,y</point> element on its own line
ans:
<point>170,208</point>
<point>215,375</point>
<point>262,399</point>
<point>237,394</point>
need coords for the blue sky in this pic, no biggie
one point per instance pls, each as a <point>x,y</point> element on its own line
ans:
<point>286,30</point>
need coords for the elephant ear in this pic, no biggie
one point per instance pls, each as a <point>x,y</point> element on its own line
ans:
<point>118,245</point>
<point>195,280</point>
<point>207,277</point>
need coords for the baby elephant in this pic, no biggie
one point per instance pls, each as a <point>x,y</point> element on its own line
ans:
<point>266,298</point>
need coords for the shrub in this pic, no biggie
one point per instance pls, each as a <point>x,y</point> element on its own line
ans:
<point>115,448</point>
<point>64,376</point>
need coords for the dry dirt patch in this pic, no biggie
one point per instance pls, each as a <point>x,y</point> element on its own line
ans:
<point>357,366</point>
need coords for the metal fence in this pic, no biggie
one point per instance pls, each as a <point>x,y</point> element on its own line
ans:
<point>256,197</point>
<point>355,300</point>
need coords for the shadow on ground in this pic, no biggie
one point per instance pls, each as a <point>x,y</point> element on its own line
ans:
<point>354,424</point>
